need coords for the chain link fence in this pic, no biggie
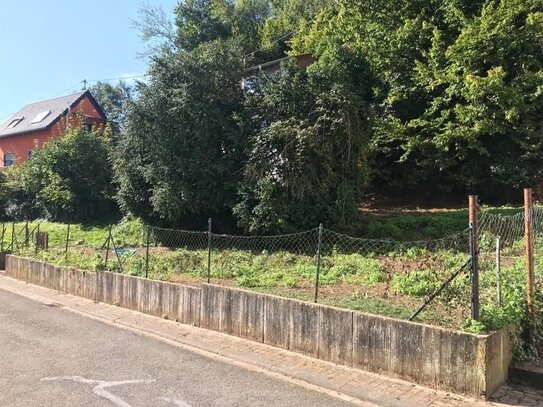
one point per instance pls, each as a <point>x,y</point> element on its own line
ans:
<point>317,265</point>
<point>502,259</point>
<point>426,279</point>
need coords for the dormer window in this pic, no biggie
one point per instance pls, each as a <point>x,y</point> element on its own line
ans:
<point>14,122</point>
<point>40,117</point>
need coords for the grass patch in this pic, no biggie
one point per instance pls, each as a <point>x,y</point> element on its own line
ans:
<point>426,225</point>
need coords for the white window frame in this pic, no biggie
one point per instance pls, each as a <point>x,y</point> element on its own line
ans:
<point>14,122</point>
<point>40,117</point>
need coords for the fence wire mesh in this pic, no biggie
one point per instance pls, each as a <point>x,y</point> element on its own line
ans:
<point>356,272</point>
<point>502,257</point>
<point>376,275</point>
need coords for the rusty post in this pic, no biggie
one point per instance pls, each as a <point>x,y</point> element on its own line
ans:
<point>529,249</point>
<point>474,252</point>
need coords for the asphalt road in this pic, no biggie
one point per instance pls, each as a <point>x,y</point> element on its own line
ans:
<point>52,357</point>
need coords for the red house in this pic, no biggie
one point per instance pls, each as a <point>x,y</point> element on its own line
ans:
<point>32,126</point>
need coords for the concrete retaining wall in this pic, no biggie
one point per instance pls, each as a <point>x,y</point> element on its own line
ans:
<point>447,359</point>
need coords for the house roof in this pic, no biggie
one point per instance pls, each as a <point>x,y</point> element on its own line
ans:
<point>277,62</point>
<point>57,107</point>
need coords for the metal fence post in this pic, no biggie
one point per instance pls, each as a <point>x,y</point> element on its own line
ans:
<point>209,250</point>
<point>147,252</point>
<point>498,272</point>
<point>115,250</point>
<point>37,237</point>
<point>67,240</point>
<point>3,233</point>
<point>13,236</point>
<point>474,277</point>
<point>319,249</point>
<point>529,250</point>
<point>108,241</point>
<point>27,237</point>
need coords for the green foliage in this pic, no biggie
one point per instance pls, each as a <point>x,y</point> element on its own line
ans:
<point>410,96</point>
<point>307,161</point>
<point>200,21</point>
<point>115,101</point>
<point>458,95</point>
<point>70,178</point>
<point>416,284</point>
<point>182,153</point>
<point>530,345</point>
<point>287,17</point>
<point>369,304</point>
<point>414,227</point>
<point>351,268</point>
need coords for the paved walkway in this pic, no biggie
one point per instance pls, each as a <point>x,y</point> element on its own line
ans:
<point>518,396</point>
<point>358,387</point>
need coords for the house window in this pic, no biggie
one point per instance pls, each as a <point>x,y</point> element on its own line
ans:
<point>29,154</point>
<point>40,117</point>
<point>249,84</point>
<point>14,122</point>
<point>9,159</point>
<point>87,127</point>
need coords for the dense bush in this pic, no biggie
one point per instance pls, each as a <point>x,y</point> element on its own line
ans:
<point>69,179</point>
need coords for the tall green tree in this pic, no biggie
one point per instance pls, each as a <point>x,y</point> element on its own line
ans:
<point>457,101</point>
<point>200,21</point>
<point>288,18</point>
<point>115,101</point>
<point>182,154</point>
<point>286,155</point>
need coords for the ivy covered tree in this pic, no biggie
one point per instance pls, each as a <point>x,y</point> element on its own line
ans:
<point>307,157</point>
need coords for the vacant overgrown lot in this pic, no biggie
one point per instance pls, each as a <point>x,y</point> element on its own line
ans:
<point>380,275</point>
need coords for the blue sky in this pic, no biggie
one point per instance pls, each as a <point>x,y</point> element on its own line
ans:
<point>47,47</point>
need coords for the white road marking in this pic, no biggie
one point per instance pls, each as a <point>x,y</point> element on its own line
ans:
<point>100,387</point>
<point>175,402</point>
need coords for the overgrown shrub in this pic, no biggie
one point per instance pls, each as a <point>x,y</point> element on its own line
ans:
<point>70,178</point>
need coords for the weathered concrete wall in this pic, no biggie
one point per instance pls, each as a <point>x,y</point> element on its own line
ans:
<point>498,358</point>
<point>426,354</point>
<point>235,312</point>
<point>162,299</point>
<point>452,360</point>
<point>157,298</point>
